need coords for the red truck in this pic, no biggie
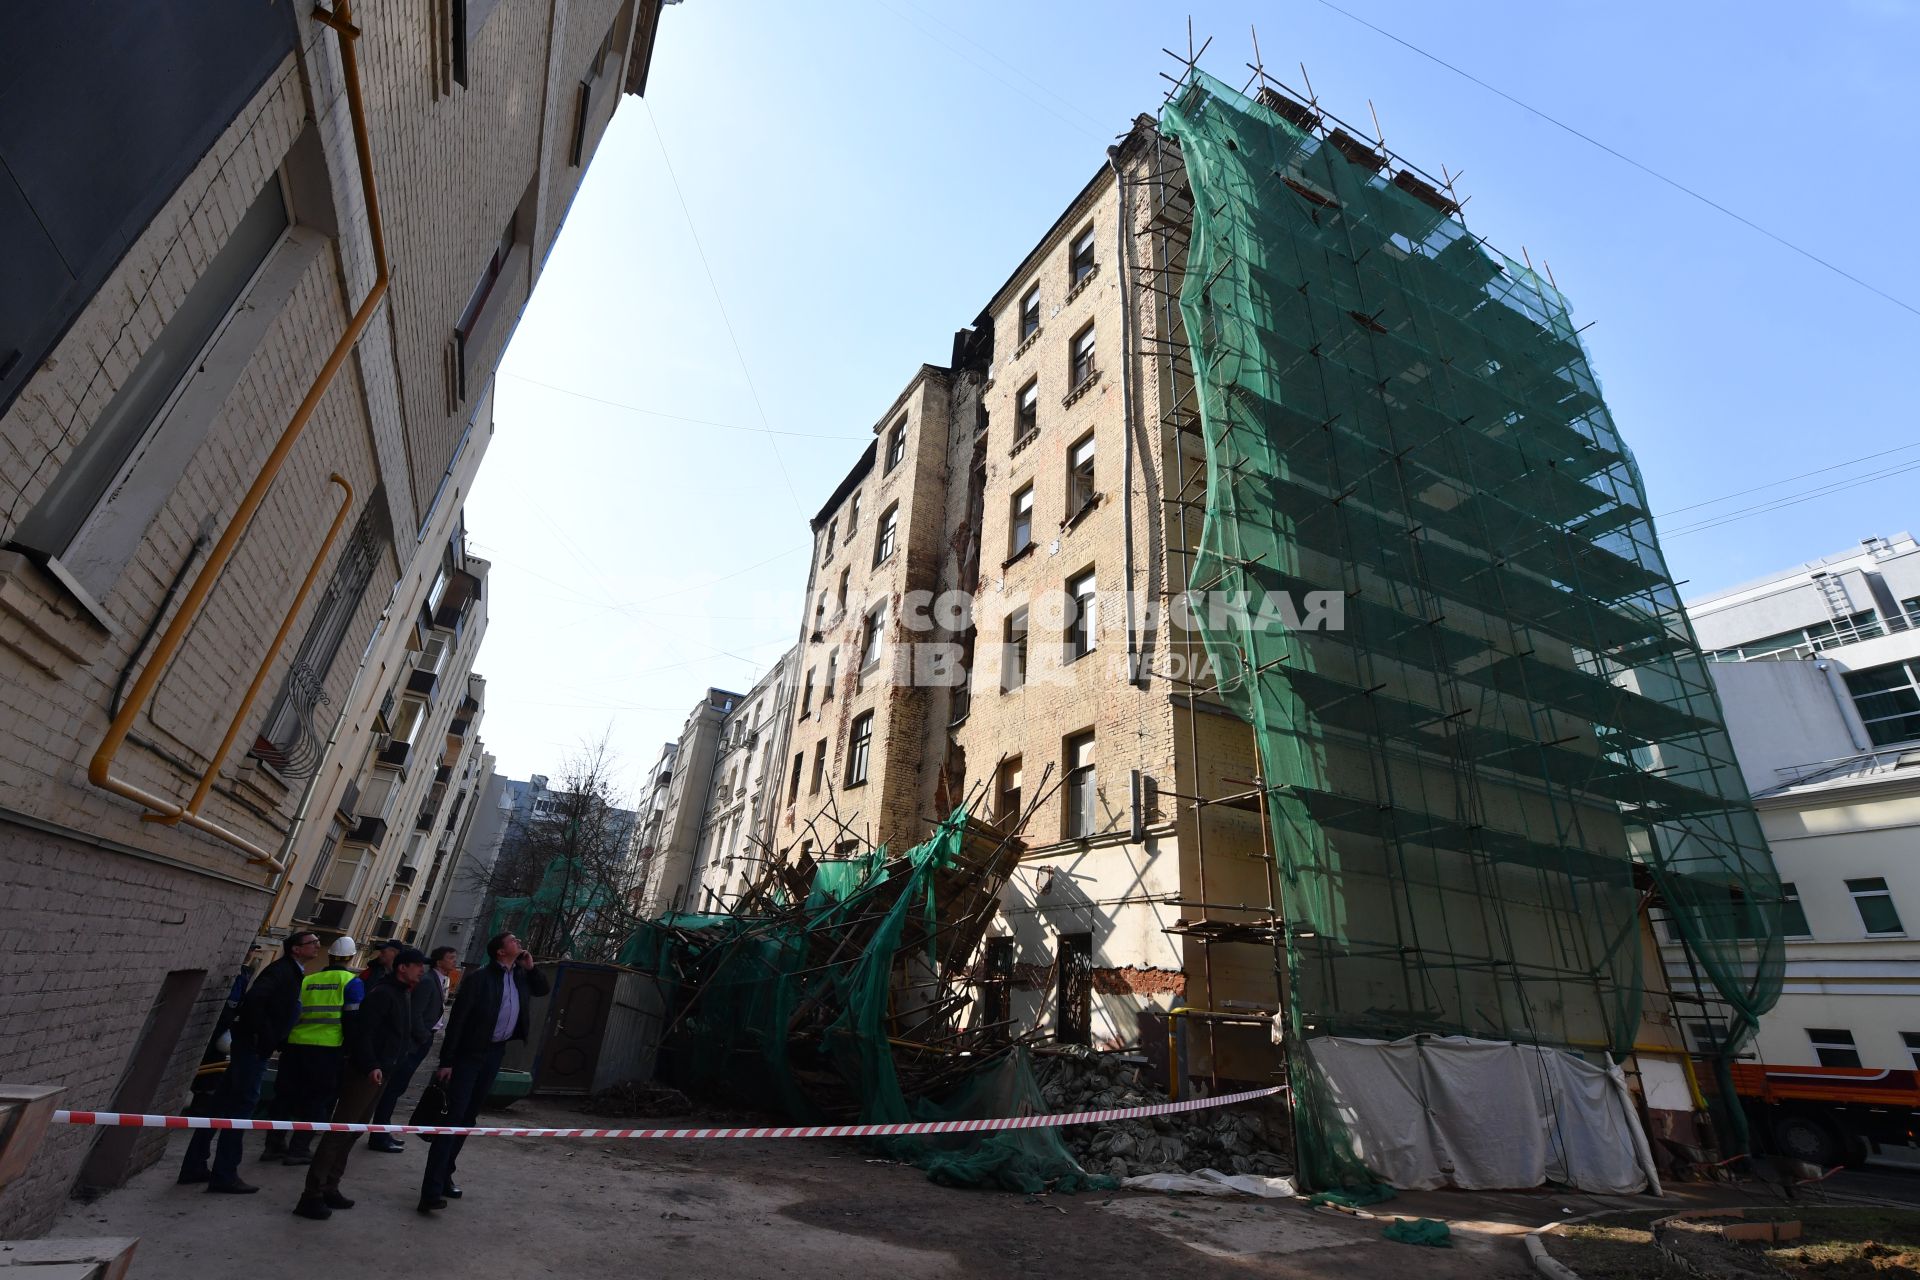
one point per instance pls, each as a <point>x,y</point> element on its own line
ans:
<point>1829,1115</point>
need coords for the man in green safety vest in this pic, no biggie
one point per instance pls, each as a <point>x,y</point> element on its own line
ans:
<point>309,1077</point>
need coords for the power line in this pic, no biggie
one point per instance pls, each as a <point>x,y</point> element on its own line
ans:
<point>1793,500</point>
<point>677,417</point>
<point>1649,170</point>
<point>773,445</point>
<point>1741,493</point>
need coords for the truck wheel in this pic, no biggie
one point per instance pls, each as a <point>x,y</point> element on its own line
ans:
<point>1806,1138</point>
<point>1856,1150</point>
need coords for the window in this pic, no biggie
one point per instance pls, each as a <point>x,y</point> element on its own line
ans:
<point>1080,477</point>
<point>597,67</point>
<point>468,19</point>
<point>1912,1041</point>
<point>1080,265</point>
<point>897,445</point>
<point>1833,1048</point>
<point>884,539</point>
<point>1082,624</point>
<point>833,675</point>
<point>806,696</point>
<point>819,768</point>
<point>476,320</point>
<point>793,783</point>
<point>1888,700</point>
<point>1030,313</point>
<point>1013,651</point>
<point>406,719</point>
<point>853,514</point>
<point>820,615</point>
<point>145,400</point>
<point>1080,368</point>
<point>870,633</point>
<point>858,748</point>
<point>1006,806</point>
<point>1021,535</point>
<point>1793,917</point>
<point>1026,417</point>
<point>840,601</point>
<point>1876,907</point>
<point>826,550</point>
<point>1080,819</point>
<point>1073,1017</point>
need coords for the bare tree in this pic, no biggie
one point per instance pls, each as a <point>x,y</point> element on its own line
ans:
<point>564,879</point>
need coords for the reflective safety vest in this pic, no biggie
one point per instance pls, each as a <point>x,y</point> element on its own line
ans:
<point>323,999</point>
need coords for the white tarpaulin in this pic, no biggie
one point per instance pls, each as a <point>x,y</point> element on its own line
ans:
<point>1435,1111</point>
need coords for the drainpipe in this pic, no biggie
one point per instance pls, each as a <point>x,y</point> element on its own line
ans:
<point>100,769</point>
<point>1134,675</point>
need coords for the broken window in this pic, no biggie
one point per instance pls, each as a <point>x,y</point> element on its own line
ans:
<point>1026,418</point>
<point>833,674</point>
<point>1080,492</point>
<point>819,768</point>
<point>858,747</point>
<point>1080,367</point>
<point>853,514</point>
<point>1082,622</point>
<point>1081,818</point>
<point>996,1008</point>
<point>840,605</point>
<point>897,445</point>
<point>793,783</point>
<point>883,540</point>
<point>1073,1021</point>
<point>1013,651</point>
<point>806,696</point>
<point>826,553</point>
<point>1021,536</point>
<point>1030,313</point>
<point>1080,264</point>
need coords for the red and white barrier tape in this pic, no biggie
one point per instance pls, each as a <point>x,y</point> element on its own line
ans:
<point>129,1120</point>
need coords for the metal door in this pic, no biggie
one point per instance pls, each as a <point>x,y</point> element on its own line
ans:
<point>576,1025</point>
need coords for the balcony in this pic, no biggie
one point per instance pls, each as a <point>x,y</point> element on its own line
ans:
<point>404,875</point>
<point>462,589</point>
<point>396,755</point>
<point>457,728</point>
<point>386,927</point>
<point>334,913</point>
<point>348,799</point>
<point>443,775</point>
<point>368,830</point>
<point>424,683</point>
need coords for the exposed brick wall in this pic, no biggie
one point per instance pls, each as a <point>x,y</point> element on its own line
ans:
<point>91,935</point>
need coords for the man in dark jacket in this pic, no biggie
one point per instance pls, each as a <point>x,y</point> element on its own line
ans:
<point>490,1011</point>
<point>429,1005</point>
<point>379,1040</point>
<point>261,1025</point>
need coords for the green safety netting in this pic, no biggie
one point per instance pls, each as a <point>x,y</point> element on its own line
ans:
<point>1514,714</point>
<point>568,898</point>
<point>758,1017</point>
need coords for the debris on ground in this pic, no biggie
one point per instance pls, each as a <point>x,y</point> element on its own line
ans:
<point>1427,1231</point>
<point>1235,1140</point>
<point>1212,1182</point>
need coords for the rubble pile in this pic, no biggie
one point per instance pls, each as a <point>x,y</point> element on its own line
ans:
<point>634,1099</point>
<point>1231,1140</point>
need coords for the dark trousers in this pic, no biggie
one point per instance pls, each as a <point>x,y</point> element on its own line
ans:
<point>237,1096</point>
<point>472,1081</point>
<point>305,1088</point>
<point>358,1097</point>
<point>397,1086</point>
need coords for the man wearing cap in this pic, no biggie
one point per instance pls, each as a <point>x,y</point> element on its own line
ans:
<point>379,1041</point>
<point>309,1077</point>
<point>381,966</point>
<point>429,1012</point>
<point>266,1017</point>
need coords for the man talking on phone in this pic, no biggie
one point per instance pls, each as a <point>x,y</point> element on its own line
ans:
<point>489,1012</point>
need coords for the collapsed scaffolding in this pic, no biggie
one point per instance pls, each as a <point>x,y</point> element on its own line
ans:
<point>1457,784</point>
<point>834,992</point>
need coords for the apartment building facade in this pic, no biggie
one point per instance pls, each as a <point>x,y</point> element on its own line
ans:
<point>1816,669</point>
<point>244,383</point>
<point>736,825</point>
<point>672,818</point>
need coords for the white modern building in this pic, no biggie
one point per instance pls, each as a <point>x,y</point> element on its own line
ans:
<point>1818,670</point>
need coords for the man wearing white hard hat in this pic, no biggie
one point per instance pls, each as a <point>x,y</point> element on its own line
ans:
<point>309,1078</point>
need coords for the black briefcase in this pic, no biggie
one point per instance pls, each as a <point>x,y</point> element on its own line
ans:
<point>432,1107</point>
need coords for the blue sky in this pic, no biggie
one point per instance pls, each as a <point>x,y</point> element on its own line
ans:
<point>810,201</point>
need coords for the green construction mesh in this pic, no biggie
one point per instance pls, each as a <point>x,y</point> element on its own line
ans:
<point>551,918</point>
<point>1463,776</point>
<point>759,1018</point>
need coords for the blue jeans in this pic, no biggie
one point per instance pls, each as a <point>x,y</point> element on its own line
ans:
<point>237,1096</point>
<point>472,1081</point>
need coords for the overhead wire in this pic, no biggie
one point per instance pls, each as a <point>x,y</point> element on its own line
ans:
<point>1624,158</point>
